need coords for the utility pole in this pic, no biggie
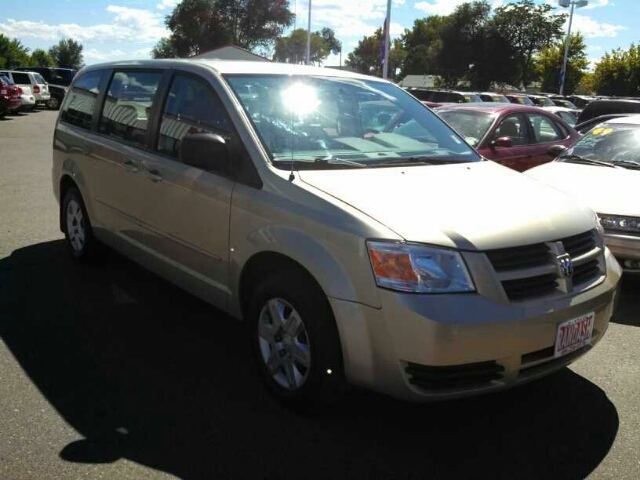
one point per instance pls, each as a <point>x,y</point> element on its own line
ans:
<point>309,36</point>
<point>574,4</point>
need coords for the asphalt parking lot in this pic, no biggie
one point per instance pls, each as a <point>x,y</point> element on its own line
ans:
<point>110,372</point>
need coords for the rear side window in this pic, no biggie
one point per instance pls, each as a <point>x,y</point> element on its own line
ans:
<point>191,107</point>
<point>128,103</point>
<point>39,78</point>
<point>514,127</point>
<point>21,78</point>
<point>78,108</point>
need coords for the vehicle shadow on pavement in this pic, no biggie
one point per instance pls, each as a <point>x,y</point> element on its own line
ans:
<point>145,371</point>
<point>628,311</point>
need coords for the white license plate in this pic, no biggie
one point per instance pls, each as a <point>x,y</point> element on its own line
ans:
<point>574,334</point>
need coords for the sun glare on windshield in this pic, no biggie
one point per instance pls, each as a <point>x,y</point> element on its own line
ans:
<point>301,99</point>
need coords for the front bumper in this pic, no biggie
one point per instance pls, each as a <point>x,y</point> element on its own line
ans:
<point>626,248</point>
<point>458,334</point>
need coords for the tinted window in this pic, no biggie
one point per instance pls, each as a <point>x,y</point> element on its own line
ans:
<point>191,107</point>
<point>21,78</point>
<point>78,108</point>
<point>128,105</point>
<point>544,129</point>
<point>514,127</point>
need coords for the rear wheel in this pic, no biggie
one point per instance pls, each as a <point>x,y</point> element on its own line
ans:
<point>77,227</point>
<point>295,340</point>
<point>53,103</point>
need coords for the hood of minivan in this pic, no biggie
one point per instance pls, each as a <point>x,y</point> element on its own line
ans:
<point>469,205</point>
<point>604,189</point>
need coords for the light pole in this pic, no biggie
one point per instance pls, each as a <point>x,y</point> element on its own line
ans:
<point>387,41</point>
<point>309,36</point>
<point>574,4</point>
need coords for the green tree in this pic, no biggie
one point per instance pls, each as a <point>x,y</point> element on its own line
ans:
<point>67,54</point>
<point>527,28</point>
<point>462,39</point>
<point>200,25</point>
<point>40,58</point>
<point>618,73</point>
<point>165,48</point>
<point>12,52</point>
<point>366,58</point>
<point>423,44</point>
<point>293,48</point>
<point>549,65</point>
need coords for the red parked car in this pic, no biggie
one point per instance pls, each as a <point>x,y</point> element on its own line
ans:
<point>9,96</point>
<point>516,136</point>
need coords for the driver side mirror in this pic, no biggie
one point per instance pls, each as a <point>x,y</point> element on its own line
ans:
<point>502,142</point>
<point>556,150</point>
<point>206,151</point>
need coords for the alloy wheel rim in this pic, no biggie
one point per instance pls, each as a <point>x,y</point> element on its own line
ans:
<point>284,344</point>
<point>76,229</point>
<point>53,102</point>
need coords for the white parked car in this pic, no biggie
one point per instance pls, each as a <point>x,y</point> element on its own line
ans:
<point>31,83</point>
<point>602,170</point>
<point>27,101</point>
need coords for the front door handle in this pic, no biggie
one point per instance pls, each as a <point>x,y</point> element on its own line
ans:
<point>130,166</point>
<point>154,175</point>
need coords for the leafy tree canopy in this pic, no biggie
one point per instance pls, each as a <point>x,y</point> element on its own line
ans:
<point>293,48</point>
<point>67,54</point>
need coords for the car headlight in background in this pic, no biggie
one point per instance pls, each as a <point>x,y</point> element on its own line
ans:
<point>420,269</point>
<point>620,223</point>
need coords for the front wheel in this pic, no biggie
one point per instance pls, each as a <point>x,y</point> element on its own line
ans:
<point>295,340</point>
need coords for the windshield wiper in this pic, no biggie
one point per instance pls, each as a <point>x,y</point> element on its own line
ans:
<point>630,164</point>
<point>417,160</point>
<point>573,158</point>
<point>337,161</point>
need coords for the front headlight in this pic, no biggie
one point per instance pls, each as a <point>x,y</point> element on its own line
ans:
<point>416,268</point>
<point>620,223</point>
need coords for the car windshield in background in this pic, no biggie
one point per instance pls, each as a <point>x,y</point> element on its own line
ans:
<point>6,80</point>
<point>523,101</point>
<point>344,121</point>
<point>544,102</point>
<point>471,124</point>
<point>616,143</point>
<point>471,98</point>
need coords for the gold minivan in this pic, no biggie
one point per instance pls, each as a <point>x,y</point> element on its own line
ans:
<point>362,240</point>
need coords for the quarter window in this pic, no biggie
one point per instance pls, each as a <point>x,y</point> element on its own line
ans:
<point>78,108</point>
<point>544,129</point>
<point>128,103</point>
<point>191,107</point>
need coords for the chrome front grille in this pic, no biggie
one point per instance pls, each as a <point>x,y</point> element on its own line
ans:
<point>537,270</point>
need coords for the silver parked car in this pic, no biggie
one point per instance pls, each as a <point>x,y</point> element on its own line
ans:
<point>361,238</point>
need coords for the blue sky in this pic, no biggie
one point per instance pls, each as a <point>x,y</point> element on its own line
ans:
<point>128,29</point>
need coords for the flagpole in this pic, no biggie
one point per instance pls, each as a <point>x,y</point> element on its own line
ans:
<point>309,36</point>
<point>387,40</point>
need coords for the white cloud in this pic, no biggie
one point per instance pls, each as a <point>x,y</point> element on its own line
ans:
<point>166,4</point>
<point>439,7</point>
<point>93,55</point>
<point>591,28</point>
<point>597,3</point>
<point>127,25</point>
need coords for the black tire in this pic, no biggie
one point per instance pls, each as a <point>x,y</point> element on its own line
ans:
<point>53,103</point>
<point>90,249</point>
<point>324,382</point>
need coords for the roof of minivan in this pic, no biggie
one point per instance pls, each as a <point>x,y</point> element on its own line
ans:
<point>240,67</point>
<point>491,107</point>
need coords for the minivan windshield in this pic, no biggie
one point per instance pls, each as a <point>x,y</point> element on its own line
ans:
<point>344,122</point>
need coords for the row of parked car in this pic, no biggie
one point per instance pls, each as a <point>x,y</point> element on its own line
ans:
<point>24,88</point>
